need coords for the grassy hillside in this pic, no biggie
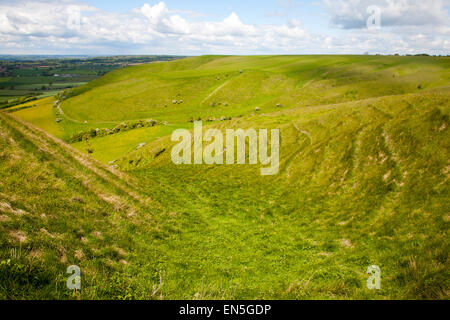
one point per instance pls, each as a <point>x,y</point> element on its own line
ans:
<point>359,184</point>
<point>364,178</point>
<point>237,85</point>
<point>41,113</point>
<point>60,208</point>
<point>45,76</point>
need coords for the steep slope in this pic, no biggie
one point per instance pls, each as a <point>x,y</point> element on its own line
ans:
<point>58,208</point>
<point>363,180</point>
<point>362,183</point>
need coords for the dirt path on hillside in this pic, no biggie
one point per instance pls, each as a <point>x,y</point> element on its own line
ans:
<point>306,133</point>
<point>216,90</point>
<point>61,112</point>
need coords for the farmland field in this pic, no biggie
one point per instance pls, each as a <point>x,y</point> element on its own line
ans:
<point>363,180</point>
<point>43,76</point>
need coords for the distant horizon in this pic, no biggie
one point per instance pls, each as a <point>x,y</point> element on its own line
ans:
<point>199,55</point>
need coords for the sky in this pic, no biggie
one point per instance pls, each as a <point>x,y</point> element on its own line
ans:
<point>247,27</point>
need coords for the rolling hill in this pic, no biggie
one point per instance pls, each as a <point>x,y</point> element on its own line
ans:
<point>363,180</point>
<point>237,85</point>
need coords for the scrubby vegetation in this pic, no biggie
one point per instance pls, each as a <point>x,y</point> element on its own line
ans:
<point>125,126</point>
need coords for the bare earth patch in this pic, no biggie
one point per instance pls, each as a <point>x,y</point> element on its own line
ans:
<point>97,234</point>
<point>47,233</point>
<point>346,243</point>
<point>79,254</point>
<point>19,236</point>
<point>5,206</point>
<point>325,254</point>
<point>121,252</point>
<point>36,254</point>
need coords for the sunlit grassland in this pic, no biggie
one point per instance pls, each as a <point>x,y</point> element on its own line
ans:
<point>58,209</point>
<point>293,81</point>
<point>369,187</point>
<point>363,180</point>
<point>44,115</point>
<point>40,113</point>
<point>114,147</point>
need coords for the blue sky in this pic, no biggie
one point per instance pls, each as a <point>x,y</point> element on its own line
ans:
<point>252,11</point>
<point>311,13</point>
<point>195,27</point>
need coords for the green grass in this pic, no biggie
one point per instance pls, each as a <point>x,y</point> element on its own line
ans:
<point>372,188</point>
<point>41,113</point>
<point>58,208</point>
<point>123,142</point>
<point>364,180</point>
<point>294,81</point>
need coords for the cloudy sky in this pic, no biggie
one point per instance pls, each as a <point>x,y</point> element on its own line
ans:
<point>194,27</point>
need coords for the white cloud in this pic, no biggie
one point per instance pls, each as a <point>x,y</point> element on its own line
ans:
<point>406,26</point>
<point>352,14</point>
<point>53,23</point>
<point>50,26</point>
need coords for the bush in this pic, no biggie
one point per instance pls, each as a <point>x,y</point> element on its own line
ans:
<point>125,126</point>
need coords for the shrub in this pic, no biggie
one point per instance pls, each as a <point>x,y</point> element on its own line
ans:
<point>125,126</point>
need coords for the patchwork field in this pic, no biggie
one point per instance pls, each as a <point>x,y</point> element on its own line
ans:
<point>44,76</point>
<point>363,180</point>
